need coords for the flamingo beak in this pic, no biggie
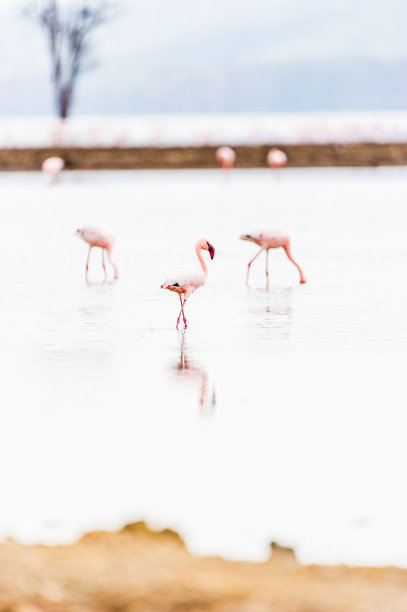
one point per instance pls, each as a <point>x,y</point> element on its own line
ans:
<point>211,251</point>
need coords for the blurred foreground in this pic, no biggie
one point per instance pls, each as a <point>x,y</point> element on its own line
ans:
<point>139,569</point>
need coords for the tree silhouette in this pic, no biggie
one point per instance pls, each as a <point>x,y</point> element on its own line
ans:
<point>68,26</point>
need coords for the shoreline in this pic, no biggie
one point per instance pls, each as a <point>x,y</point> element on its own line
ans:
<point>182,158</point>
<point>138,568</point>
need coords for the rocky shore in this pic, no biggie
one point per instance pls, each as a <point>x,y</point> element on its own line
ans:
<point>299,156</point>
<point>138,569</point>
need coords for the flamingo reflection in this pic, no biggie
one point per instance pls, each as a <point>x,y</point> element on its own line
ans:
<point>191,371</point>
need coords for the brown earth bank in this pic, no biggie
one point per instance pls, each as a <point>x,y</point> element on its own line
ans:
<point>138,569</point>
<point>299,156</point>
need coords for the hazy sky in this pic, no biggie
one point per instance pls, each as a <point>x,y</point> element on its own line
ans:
<point>159,48</point>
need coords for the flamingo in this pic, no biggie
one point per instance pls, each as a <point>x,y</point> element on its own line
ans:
<point>52,166</point>
<point>226,157</point>
<point>185,283</point>
<point>276,159</point>
<point>271,238</point>
<point>97,237</point>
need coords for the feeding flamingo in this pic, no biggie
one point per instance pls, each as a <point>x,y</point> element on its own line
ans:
<point>97,237</point>
<point>52,166</point>
<point>185,283</point>
<point>276,159</point>
<point>271,238</point>
<point>226,157</point>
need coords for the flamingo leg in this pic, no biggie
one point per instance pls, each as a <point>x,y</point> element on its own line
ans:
<point>179,316</point>
<point>267,269</point>
<point>87,263</point>
<point>249,264</point>
<point>103,263</point>
<point>116,272</point>
<point>181,312</point>
<point>291,258</point>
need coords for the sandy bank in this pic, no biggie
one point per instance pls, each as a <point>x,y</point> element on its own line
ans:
<point>299,156</point>
<point>138,569</point>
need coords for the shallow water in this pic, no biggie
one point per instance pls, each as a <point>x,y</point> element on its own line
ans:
<point>276,415</point>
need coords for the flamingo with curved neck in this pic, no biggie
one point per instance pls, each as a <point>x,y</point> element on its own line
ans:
<point>271,238</point>
<point>98,237</point>
<point>185,283</point>
<point>226,157</point>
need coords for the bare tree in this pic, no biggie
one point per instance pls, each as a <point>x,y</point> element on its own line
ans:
<point>68,26</point>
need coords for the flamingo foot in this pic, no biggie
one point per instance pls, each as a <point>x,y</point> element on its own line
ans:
<point>302,281</point>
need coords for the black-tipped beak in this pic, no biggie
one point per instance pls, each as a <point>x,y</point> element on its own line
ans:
<point>211,251</point>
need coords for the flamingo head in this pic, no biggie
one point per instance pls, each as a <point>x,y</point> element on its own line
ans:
<point>78,232</point>
<point>206,246</point>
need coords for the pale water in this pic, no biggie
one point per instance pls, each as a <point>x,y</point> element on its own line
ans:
<point>277,415</point>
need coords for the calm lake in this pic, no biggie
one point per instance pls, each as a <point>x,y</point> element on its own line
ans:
<point>277,415</point>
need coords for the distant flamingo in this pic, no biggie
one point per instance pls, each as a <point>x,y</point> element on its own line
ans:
<point>226,157</point>
<point>97,237</point>
<point>185,283</point>
<point>52,166</point>
<point>276,159</point>
<point>271,238</point>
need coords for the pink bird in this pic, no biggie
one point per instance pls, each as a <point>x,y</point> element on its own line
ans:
<point>276,159</point>
<point>226,157</point>
<point>97,237</point>
<point>52,166</point>
<point>271,238</point>
<point>185,283</point>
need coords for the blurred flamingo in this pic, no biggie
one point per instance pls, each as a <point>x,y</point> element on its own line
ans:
<point>97,237</point>
<point>276,159</point>
<point>226,157</point>
<point>51,167</point>
<point>271,238</point>
<point>185,283</point>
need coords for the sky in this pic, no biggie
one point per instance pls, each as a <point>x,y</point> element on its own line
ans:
<point>220,56</point>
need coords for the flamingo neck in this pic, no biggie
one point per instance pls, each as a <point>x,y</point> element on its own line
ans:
<point>201,260</point>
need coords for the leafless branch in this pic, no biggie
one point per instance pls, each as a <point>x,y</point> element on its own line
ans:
<point>68,28</point>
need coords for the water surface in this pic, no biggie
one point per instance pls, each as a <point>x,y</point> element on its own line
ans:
<point>276,415</point>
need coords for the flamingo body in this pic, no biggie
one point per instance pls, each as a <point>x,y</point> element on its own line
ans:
<point>276,159</point>
<point>187,281</point>
<point>52,166</point>
<point>271,238</point>
<point>226,157</point>
<point>98,237</point>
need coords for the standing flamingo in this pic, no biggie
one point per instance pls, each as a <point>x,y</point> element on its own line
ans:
<point>276,159</point>
<point>97,237</point>
<point>185,283</point>
<point>51,167</point>
<point>271,238</point>
<point>226,157</point>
